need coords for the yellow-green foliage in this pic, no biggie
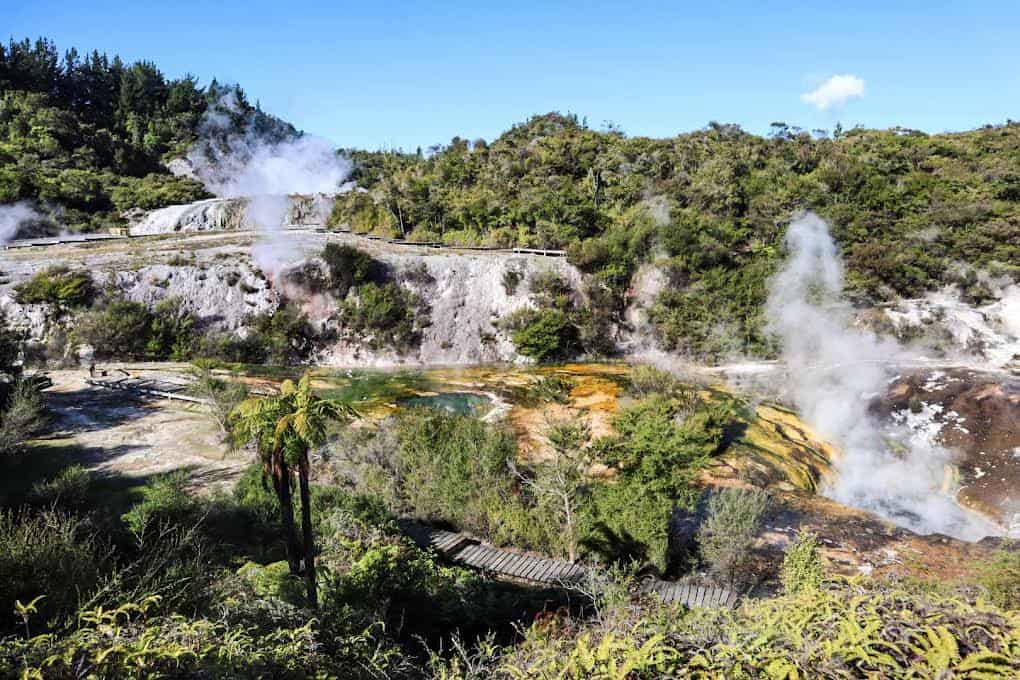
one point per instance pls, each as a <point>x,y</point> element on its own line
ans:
<point>1000,576</point>
<point>127,642</point>
<point>802,565</point>
<point>850,631</point>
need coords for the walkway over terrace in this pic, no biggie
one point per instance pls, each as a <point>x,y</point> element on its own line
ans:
<point>537,570</point>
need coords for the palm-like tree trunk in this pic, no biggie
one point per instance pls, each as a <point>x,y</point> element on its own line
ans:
<point>281,480</point>
<point>306,529</point>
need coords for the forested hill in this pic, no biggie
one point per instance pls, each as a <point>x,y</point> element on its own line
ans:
<point>911,211</point>
<point>89,136</point>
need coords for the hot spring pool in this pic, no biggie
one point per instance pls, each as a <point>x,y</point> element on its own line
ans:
<point>460,403</point>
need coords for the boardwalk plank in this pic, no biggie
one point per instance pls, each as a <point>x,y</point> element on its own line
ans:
<point>537,566</point>
<point>503,558</point>
<point>545,568</point>
<point>514,566</point>
<point>530,568</point>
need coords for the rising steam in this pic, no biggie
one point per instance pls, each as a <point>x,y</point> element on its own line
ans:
<point>14,217</point>
<point>834,371</point>
<point>253,156</point>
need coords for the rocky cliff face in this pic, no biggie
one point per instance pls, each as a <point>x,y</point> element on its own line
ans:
<point>214,277</point>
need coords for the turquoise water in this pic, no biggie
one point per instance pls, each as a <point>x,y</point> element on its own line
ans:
<point>461,403</point>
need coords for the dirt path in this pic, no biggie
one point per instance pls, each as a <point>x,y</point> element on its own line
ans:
<point>138,437</point>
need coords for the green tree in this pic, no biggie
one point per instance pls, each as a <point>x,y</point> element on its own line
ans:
<point>284,428</point>
<point>10,346</point>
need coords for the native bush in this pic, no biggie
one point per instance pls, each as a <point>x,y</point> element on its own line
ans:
<point>543,334</point>
<point>165,501</point>
<point>22,414</point>
<point>802,565</point>
<point>999,575</point>
<point>385,315</point>
<point>52,554</point>
<point>58,286</point>
<point>726,538</point>
<point>349,268</point>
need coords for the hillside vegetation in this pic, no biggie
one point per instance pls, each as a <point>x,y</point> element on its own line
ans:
<point>911,212</point>
<point>89,136</point>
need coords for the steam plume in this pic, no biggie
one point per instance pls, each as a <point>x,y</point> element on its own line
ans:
<point>13,217</point>
<point>253,156</point>
<point>834,370</point>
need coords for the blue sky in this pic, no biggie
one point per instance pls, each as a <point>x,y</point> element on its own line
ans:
<point>407,74</point>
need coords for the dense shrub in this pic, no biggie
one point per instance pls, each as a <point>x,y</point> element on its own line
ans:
<point>116,329</point>
<point>10,347</point>
<point>165,501</point>
<point>349,268</point>
<point>22,414</point>
<point>454,468</point>
<point>57,286</point>
<point>802,565</point>
<point>543,334</point>
<point>281,337</point>
<point>385,315</point>
<point>70,490</point>
<point>53,554</point>
<point>727,536</point>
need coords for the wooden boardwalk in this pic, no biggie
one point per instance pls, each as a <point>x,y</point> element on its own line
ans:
<point>146,386</point>
<point>540,570</point>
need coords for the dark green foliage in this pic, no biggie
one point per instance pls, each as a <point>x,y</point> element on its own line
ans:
<point>386,315</point>
<point>89,134</point>
<point>511,279</point>
<point>660,445</point>
<point>904,206</point>
<point>51,553</point>
<point>165,501</point>
<point>22,414</point>
<point>543,334</point>
<point>118,328</point>
<point>349,268</point>
<point>10,346</point>
<point>57,286</point>
<point>454,468</point>
<point>171,332</point>
<point>281,337</point>
<point>122,329</point>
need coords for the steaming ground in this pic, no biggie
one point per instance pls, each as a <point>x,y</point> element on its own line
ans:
<point>263,167</point>
<point>833,371</point>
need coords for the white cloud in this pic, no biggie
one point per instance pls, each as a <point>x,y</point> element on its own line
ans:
<point>835,91</point>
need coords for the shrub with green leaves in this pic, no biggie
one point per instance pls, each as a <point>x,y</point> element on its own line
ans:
<point>165,501</point>
<point>726,538</point>
<point>49,553</point>
<point>350,267</point>
<point>22,414</point>
<point>385,315</point>
<point>802,565</point>
<point>543,334</point>
<point>58,286</point>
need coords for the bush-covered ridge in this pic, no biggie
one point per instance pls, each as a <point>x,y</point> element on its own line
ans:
<point>88,135</point>
<point>911,211</point>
